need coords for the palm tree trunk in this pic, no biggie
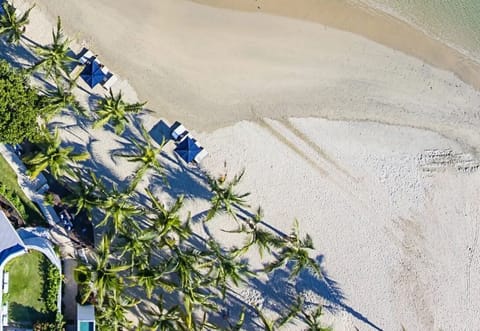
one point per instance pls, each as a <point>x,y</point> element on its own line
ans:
<point>31,41</point>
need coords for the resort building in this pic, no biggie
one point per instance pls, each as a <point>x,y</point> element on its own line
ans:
<point>85,318</point>
<point>14,244</point>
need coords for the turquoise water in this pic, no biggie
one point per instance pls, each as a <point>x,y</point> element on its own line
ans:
<point>455,22</point>
<point>86,326</point>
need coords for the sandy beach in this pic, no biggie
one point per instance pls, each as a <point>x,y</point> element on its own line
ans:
<point>371,142</point>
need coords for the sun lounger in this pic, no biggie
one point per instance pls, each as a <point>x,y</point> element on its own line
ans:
<point>110,81</point>
<point>200,156</point>
<point>178,132</point>
<point>86,56</point>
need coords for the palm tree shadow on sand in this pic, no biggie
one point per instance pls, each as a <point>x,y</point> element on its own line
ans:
<point>278,292</point>
<point>18,56</point>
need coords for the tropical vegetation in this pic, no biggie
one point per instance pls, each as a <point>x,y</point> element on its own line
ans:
<point>19,106</point>
<point>52,156</point>
<point>13,26</point>
<point>54,59</point>
<point>11,190</point>
<point>114,110</point>
<point>147,247</point>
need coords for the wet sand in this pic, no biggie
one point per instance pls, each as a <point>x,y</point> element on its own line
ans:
<point>369,23</point>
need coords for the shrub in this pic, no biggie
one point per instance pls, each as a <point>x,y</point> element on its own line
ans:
<point>57,325</point>
<point>19,106</point>
<point>53,282</point>
<point>14,199</point>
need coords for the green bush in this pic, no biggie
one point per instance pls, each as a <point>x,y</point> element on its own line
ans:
<point>19,106</point>
<point>14,199</point>
<point>51,287</point>
<point>57,325</point>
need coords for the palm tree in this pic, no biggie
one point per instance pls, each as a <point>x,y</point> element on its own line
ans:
<point>101,276</point>
<point>51,155</point>
<point>149,278</point>
<point>138,244</point>
<point>113,313</point>
<point>224,267</point>
<point>264,240</point>
<point>146,154</point>
<point>12,26</point>
<point>166,221</point>
<point>224,196</point>
<point>54,101</point>
<point>312,319</point>
<point>268,324</point>
<point>239,322</point>
<point>117,208</point>
<point>271,325</point>
<point>54,58</point>
<point>187,265</point>
<point>295,251</point>
<point>85,193</point>
<point>164,319</point>
<point>113,110</point>
<point>194,295</point>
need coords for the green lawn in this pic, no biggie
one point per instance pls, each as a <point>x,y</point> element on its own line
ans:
<point>9,178</point>
<point>25,294</point>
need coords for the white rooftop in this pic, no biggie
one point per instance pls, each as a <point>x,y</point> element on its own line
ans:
<point>85,313</point>
<point>10,241</point>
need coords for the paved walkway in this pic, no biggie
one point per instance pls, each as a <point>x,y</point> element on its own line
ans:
<point>34,189</point>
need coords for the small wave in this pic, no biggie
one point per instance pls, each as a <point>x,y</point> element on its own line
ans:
<point>452,22</point>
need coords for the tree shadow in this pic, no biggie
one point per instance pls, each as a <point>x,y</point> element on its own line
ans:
<point>19,56</point>
<point>184,180</point>
<point>25,316</point>
<point>279,292</point>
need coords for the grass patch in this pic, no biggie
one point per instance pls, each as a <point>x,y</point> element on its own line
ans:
<point>26,289</point>
<point>9,178</point>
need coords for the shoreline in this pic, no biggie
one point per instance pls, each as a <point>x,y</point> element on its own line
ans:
<point>191,61</point>
<point>382,27</point>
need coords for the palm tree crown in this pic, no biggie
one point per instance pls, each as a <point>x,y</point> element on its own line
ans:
<point>12,26</point>
<point>224,196</point>
<point>114,110</point>
<point>57,159</point>
<point>100,276</point>
<point>117,208</point>
<point>295,251</point>
<point>146,154</point>
<point>54,58</point>
<point>54,101</point>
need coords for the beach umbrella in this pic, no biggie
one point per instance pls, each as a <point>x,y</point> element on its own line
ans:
<point>188,149</point>
<point>92,74</point>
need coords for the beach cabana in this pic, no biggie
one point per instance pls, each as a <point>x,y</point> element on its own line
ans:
<point>188,149</point>
<point>92,74</point>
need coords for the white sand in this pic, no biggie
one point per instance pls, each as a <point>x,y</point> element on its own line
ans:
<point>339,139</point>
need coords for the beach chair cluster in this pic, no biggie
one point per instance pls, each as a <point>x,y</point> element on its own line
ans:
<point>188,148</point>
<point>93,71</point>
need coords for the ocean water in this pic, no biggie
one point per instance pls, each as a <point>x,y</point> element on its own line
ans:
<point>455,22</point>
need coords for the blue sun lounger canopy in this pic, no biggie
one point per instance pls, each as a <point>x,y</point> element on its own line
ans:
<point>188,149</point>
<point>92,74</point>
